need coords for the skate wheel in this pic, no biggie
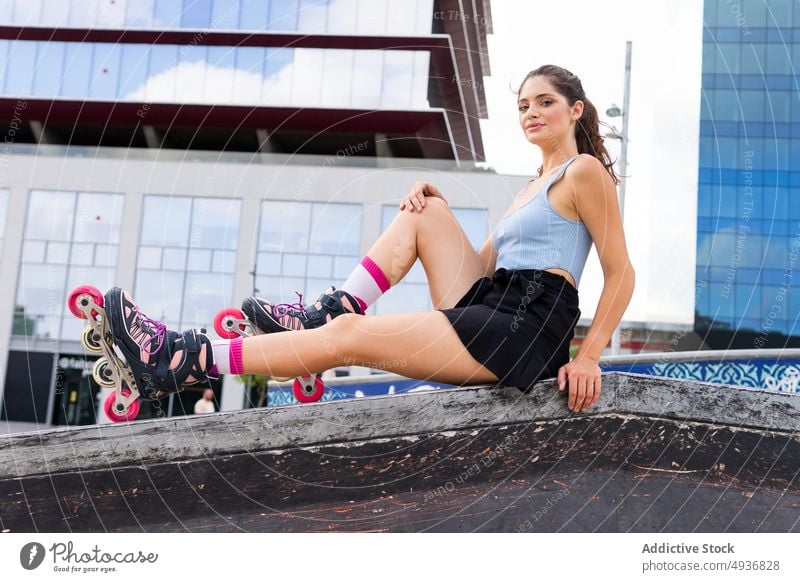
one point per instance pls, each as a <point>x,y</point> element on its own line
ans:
<point>90,340</point>
<point>115,413</point>
<point>80,297</point>
<point>103,373</point>
<point>308,389</point>
<point>226,323</point>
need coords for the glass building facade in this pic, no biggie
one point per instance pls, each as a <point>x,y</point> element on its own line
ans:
<point>305,247</point>
<point>167,73</point>
<point>187,256</point>
<point>70,238</point>
<point>308,16</point>
<point>748,244</point>
<point>328,79</point>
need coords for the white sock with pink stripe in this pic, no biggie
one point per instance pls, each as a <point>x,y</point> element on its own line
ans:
<point>366,283</point>
<point>227,356</point>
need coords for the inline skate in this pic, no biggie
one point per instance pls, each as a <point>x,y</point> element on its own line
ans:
<point>139,354</point>
<point>258,316</point>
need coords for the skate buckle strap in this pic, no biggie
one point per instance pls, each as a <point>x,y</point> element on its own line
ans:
<point>334,304</point>
<point>190,342</point>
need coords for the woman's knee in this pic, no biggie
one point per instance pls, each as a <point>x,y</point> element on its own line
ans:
<point>342,333</point>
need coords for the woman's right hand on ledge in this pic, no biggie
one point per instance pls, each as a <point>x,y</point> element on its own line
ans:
<point>582,374</point>
<point>415,200</point>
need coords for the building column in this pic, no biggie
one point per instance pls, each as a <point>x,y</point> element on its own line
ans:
<point>9,271</point>
<point>233,389</point>
<point>129,240</point>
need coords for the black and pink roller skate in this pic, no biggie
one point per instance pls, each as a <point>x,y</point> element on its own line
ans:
<point>141,357</point>
<point>259,316</point>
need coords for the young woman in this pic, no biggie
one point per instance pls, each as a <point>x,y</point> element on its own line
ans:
<point>504,314</point>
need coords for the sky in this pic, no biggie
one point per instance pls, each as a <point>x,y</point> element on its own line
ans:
<point>588,38</point>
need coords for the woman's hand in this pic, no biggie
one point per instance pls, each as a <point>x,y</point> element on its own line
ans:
<point>416,198</point>
<point>583,374</point>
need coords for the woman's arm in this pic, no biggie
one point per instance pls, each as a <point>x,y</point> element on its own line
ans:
<point>488,256</point>
<point>596,200</point>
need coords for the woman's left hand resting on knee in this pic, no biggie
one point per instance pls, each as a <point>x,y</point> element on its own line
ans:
<point>583,374</point>
<point>416,198</point>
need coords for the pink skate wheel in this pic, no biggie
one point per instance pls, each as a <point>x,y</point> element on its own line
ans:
<point>115,416</point>
<point>306,390</point>
<point>224,323</point>
<point>72,301</point>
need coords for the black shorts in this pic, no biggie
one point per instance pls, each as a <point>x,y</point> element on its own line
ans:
<point>518,324</point>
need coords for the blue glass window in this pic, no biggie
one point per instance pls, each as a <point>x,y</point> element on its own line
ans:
<point>196,14</point>
<point>49,69</point>
<point>139,13</point>
<point>225,13</point>
<point>21,67</point>
<point>283,15</point>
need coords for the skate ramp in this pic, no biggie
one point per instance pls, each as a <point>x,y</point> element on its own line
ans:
<point>655,454</point>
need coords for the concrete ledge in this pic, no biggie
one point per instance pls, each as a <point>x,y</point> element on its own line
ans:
<point>656,455</point>
<point>102,447</point>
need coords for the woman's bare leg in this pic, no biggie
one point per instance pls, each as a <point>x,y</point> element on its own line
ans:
<point>435,237</point>
<point>421,345</point>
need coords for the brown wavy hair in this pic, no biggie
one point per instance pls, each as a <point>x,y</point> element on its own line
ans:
<point>587,127</point>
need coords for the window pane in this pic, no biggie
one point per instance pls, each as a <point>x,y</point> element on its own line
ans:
<point>49,69</point>
<point>248,79</point>
<point>57,253</point>
<point>98,217</point>
<point>160,85</point>
<point>199,260</point>
<point>283,15</point>
<point>27,12</point>
<point>50,215</point>
<point>21,67</point>
<point>224,262</point>
<point>167,13</point>
<point>398,72</point>
<point>196,14</point>
<point>33,251</point>
<point>149,258</point>
<point>215,223</point>
<point>254,15</point>
<point>77,69</point>
<point>135,60</point>
<point>268,264</point>
<point>82,254</point>
<point>312,16</point>
<point>40,290</point>
<point>225,13</point>
<point>284,225</point>
<point>106,255</point>
<point>83,13</point>
<point>159,294</point>
<point>474,221</point>
<point>205,296</point>
<point>110,14</point>
<point>174,259</point>
<point>105,71</point>
<point>139,14</point>
<point>307,88</point>
<point>166,221</point>
<point>367,74</point>
<point>336,229</point>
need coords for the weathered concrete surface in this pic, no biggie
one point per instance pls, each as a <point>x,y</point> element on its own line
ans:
<point>653,455</point>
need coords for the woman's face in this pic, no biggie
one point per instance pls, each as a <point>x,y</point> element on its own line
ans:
<point>544,115</point>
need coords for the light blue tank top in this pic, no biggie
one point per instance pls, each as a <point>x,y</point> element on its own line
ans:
<point>535,236</point>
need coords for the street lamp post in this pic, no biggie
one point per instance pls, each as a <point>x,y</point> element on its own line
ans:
<point>614,111</point>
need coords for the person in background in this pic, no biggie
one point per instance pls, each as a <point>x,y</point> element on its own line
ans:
<point>206,403</point>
